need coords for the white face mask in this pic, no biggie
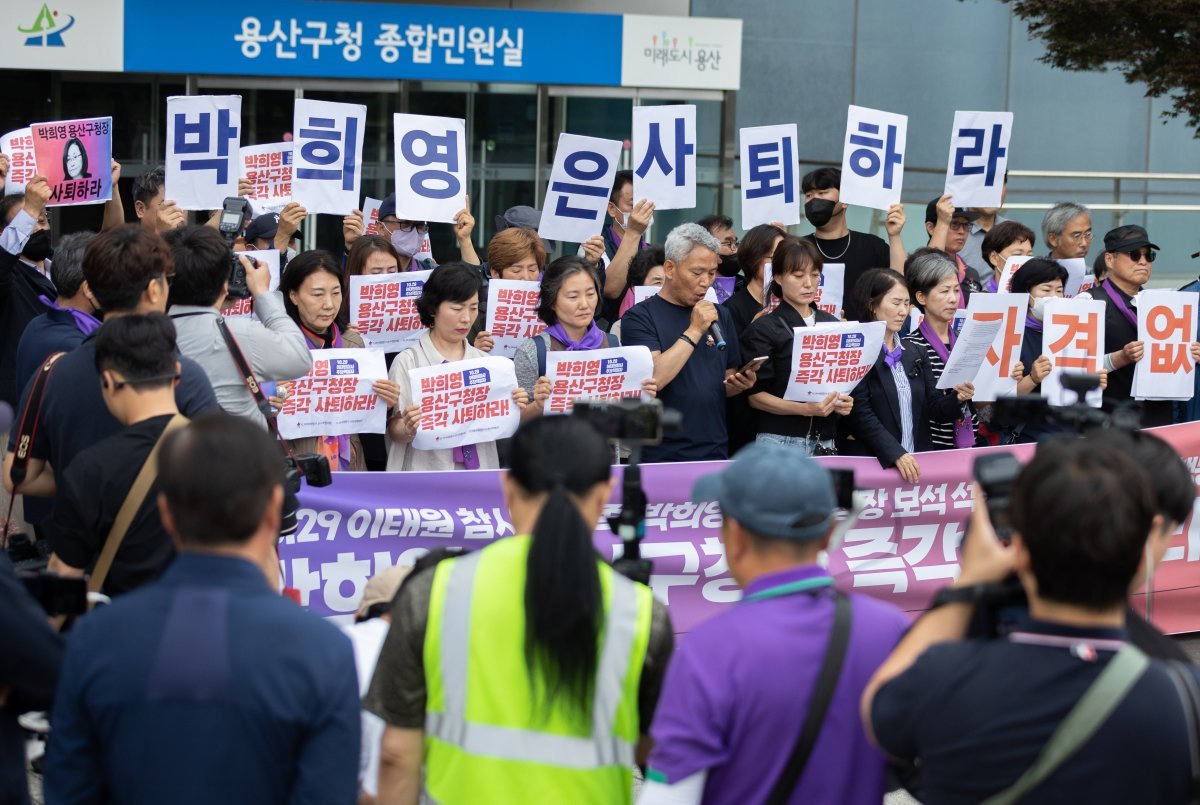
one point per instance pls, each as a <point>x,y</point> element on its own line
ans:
<point>624,220</point>
<point>1039,307</point>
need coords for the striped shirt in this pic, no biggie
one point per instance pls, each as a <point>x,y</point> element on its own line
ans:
<point>904,397</point>
<point>942,433</point>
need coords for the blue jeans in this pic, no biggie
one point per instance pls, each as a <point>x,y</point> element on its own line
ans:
<point>806,443</point>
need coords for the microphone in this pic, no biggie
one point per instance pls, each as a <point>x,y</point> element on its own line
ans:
<point>714,330</point>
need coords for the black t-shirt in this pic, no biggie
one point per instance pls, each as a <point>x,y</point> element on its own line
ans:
<point>90,494</point>
<point>1117,333</point>
<point>698,391</point>
<point>859,251</point>
<point>978,713</point>
<point>743,307</point>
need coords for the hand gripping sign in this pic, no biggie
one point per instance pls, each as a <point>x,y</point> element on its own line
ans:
<point>994,379</point>
<point>328,155</point>
<point>832,357</point>
<point>978,158</point>
<point>1073,339</point>
<point>22,165</point>
<point>1167,328</point>
<point>873,159</point>
<point>335,398</point>
<point>664,156</point>
<point>512,314</point>
<point>580,184</point>
<point>268,168</point>
<point>75,156</point>
<point>203,157</point>
<point>383,308</point>
<point>597,374</point>
<point>770,178</point>
<point>431,167</point>
<point>465,402</point>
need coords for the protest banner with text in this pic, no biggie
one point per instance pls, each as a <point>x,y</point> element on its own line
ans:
<point>75,156</point>
<point>831,358</point>
<point>328,155</point>
<point>580,184</point>
<point>1166,328</point>
<point>22,164</point>
<point>203,152</point>
<point>598,374</point>
<point>465,402</point>
<point>383,308</point>
<point>664,156</point>
<point>1073,338</point>
<point>512,314</point>
<point>431,167</point>
<point>268,168</point>
<point>335,397</point>
<point>873,158</point>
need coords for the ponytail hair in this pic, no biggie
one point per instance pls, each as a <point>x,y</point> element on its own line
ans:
<point>561,456</point>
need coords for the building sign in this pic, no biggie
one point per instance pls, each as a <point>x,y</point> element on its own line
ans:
<point>681,52</point>
<point>62,35</point>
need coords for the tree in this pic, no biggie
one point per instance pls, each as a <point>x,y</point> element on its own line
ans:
<point>1155,42</point>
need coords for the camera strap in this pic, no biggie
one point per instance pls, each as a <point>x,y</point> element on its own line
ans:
<point>27,427</point>
<point>248,378</point>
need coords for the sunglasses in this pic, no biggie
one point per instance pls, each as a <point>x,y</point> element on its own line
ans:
<point>1147,254</point>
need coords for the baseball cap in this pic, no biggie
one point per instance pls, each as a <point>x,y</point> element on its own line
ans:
<point>382,587</point>
<point>523,216</point>
<point>959,212</point>
<point>1127,238</point>
<point>265,226</point>
<point>774,491</point>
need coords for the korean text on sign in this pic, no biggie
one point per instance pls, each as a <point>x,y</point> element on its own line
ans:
<point>873,159</point>
<point>580,184</point>
<point>994,379</point>
<point>1080,278</point>
<point>1011,266</point>
<point>335,397</point>
<point>600,374</point>
<point>203,154</point>
<point>1167,328</point>
<point>431,167</point>
<point>832,289</point>
<point>75,156</point>
<point>832,357</point>
<point>465,402</point>
<point>268,168</point>
<point>370,211</point>
<point>383,308</point>
<point>512,314</point>
<point>22,166</point>
<point>1073,338</point>
<point>770,176</point>
<point>978,158</point>
<point>664,156</point>
<point>245,307</point>
<point>328,155</point>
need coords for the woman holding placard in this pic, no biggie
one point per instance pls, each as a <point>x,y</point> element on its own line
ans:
<point>312,294</point>
<point>898,399</point>
<point>1004,240</point>
<point>448,306</point>
<point>516,253</point>
<point>753,255</point>
<point>371,255</point>
<point>810,426</point>
<point>933,280</point>
<point>568,304</point>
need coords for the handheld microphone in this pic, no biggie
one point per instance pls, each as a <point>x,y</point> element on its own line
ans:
<point>714,330</point>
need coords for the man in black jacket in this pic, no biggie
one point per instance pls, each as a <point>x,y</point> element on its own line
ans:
<point>24,246</point>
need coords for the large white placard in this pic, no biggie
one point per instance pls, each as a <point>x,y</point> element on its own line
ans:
<point>431,167</point>
<point>203,154</point>
<point>465,402</point>
<point>1166,328</point>
<point>22,166</point>
<point>978,158</point>
<point>664,156</point>
<point>512,314</point>
<point>1073,339</point>
<point>832,357</point>
<point>383,308</point>
<point>770,175</point>
<point>268,168</point>
<point>603,374</point>
<point>580,184</point>
<point>873,159</point>
<point>335,398</point>
<point>994,379</point>
<point>328,155</point>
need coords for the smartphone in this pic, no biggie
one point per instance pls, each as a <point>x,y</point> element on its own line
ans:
<point>753,364</point>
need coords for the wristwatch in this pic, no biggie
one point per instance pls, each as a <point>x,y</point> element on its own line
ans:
<point>972,594</point>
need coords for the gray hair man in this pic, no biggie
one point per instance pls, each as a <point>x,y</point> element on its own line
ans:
<point>1068,230</point>
<point>695,348</point>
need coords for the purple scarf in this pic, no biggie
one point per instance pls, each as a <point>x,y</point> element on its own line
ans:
<point>466,454</point>
<point>892,357</point>
<point>317,341</point>
<point>612,232</point>
<point>1121,304</point>
<point>993,285</point>
<point>85,322</point>
<point>592,339</point>
<point>1032,324</point>
<point>964,430</point>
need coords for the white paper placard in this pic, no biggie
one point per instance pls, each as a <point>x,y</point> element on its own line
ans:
<point>598,374</point>
<point>22,166</point>
<point>978,158</point>
<point>770,175</point>
<point>245,307</point>
<point>873,159</point>
<point>431,167</point>
<point>995,375</point>
<point>268,168</point>
<point>1166,328</point>
<point>969,353</point>
<point>335,398</point>
<point>831,358</point>
<point>203,152</point>
<point>465,402</point>
<point>1073,339</point>
<point>383,308</point>
<point>328,155</point>
<point>512,314</point>
<point>664,156</point>
<point>580,184</point>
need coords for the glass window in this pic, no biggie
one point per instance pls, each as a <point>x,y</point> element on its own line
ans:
<point>127,102</point>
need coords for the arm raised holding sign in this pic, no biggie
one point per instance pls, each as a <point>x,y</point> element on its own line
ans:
<point>464,225</point>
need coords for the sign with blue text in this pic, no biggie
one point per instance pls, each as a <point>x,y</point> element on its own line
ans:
<point>203,150</point>
<point>431,167</point>
<point>873,159</point>
<point>327,155</point>
<point>580,184</point>
<point>664,156</point>
<point>978,158</point>
<point>770,176</point>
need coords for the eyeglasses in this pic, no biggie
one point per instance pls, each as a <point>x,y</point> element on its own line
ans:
<point>960,226</point>
<point>730,243</point>
<point>1143,254</point>
<point>1080,237</point>
<point>169,279</point>
<point>405,226</point>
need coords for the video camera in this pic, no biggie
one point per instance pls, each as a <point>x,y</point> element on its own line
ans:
<point>1011,413</point>
<point>232,222</point>
<point>314,469</point>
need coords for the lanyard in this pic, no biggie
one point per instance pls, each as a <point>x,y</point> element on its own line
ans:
<point>791,588</point>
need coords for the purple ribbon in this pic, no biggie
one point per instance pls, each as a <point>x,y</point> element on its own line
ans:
<point>964,431</point>
<point>466,454</point>
<point>1121,304</point>
<point>1032,324</point>
<point>592,339</point>
<point>85,322</point>
<point>894,356</point>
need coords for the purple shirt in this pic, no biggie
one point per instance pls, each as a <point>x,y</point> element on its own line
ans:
<point>738,688</point>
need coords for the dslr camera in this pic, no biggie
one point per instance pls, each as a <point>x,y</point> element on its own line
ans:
<point>230,225</point>
<point>629,420</point>
<point>1009,413</point>
<point>314,469</point>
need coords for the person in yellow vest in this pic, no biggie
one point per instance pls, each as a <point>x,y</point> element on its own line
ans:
<point>527,671</point>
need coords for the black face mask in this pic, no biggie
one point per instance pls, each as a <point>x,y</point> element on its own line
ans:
<point>37,248</point>
<point>818,211</point>
<point>729,265</point>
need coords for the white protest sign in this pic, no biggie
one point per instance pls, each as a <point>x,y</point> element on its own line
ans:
<point>664,156</point>
<point>969,353</point>
<point>383,308</point>
<point>1079,278</point>
<point>597,374</point>
<point>770,178</point>
<point>268,168</point>
<point>203,156</point>
<point>425,250</point>
<point>431,167</point>
<point>770,301</point>
<point>1073,339</point>
<point>465,402</point>
<point>643,292</point>
<point>370,211</point>
<point>328,155</point>
<point>335,397</point>
<point>832,290</point>
<point>1167,328</point>
<point>994,379</point>
<point>873,159</point>
<point>18,146</point>
<point>832,357</point>
<point>1004,284</point>
<point>580,184</point>
<point>245,307</point>
<point>978,158</point>
<point>512,314</point>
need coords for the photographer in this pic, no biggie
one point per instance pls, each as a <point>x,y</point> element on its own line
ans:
<point>563,656</point>
<point>136,361</point>
<point>273,345</point>
<point>980,714</point>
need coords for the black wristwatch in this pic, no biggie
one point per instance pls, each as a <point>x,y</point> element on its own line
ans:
<point>959,595</point>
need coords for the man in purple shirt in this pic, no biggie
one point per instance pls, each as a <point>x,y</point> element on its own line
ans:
<point>739,687</point>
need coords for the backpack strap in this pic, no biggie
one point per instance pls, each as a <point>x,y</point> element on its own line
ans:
<point>541,343</point>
